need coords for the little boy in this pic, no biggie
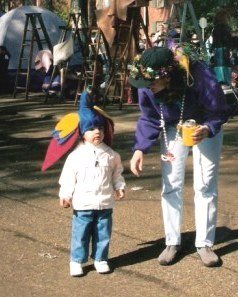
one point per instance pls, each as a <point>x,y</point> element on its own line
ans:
<point>91,174</point>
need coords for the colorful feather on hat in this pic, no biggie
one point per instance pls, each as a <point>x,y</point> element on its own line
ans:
<point>181,55</point>
<point>67,124</point>
<point>66,134</point>
<point>57,150</point>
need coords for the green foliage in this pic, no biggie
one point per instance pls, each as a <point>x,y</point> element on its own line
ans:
<point>63,14</point>
<point>60,7</point>
<point>208,8</point>
<point>194,53</point>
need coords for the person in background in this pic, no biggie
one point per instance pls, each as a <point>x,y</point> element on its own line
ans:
<point>221,47</point>
<point>234,52</point>
<point>159,37</point>
<point>208,46</point>
<point>44,64</point>
<point>195,41</point>
<point>166,100</point>
<point>4,62</point>
<point>152,35</point>
<point>142,44</point>
<point>175,32</point>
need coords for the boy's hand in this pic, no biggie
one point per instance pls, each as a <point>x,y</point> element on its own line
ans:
<point>66,203</point>
<point>120,194</point>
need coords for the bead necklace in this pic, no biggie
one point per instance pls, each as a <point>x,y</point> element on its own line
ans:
<point>168,156</point>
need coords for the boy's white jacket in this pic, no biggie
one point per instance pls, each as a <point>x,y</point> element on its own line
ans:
<point>90,176</point>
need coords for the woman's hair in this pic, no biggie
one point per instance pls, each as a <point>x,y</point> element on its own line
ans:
<point>177,85</point>
<point>221,17</point>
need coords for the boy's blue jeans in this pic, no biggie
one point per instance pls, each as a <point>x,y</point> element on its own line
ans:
<point>87,224</point>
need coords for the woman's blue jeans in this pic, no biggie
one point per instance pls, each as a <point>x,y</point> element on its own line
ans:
<point>87,224</point>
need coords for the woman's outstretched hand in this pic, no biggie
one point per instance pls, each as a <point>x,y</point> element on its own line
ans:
<point>137,162</point>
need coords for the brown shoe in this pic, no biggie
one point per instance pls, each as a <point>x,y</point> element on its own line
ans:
<point>208,257</point>
<point>167,257</point>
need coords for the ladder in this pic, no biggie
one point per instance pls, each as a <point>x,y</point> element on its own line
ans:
<point>92,67</point>
<point>72,27</point>
<point>34,32</point>
<point>116,86</point>
<point>182,13</point>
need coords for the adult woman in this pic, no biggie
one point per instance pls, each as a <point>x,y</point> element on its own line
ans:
<point>167,97</point>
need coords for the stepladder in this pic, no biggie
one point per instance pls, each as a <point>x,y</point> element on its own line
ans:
<point>34,34</point>
<point>95,64</point>
<point>127,37</point>
<point>71,38</point>
<point>182,13</point>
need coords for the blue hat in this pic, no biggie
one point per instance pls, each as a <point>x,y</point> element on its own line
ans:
<point>74,125</point>
<point>89,117</point>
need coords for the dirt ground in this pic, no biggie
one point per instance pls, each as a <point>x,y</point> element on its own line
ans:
<point>35,231</point>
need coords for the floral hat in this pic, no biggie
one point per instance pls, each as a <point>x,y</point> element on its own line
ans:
<point>154,63</point>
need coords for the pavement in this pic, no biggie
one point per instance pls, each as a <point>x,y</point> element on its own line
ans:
<point>35,231</point>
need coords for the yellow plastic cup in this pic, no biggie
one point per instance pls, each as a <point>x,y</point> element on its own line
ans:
<point>188,129</point>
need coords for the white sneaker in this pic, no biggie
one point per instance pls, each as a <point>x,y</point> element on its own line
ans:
<point>101,266</point>
<point>76,269</point>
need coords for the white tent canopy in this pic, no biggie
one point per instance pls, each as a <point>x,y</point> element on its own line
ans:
<point>12,27</point>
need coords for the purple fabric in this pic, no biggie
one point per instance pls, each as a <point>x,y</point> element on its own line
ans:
<point>204,102</point>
